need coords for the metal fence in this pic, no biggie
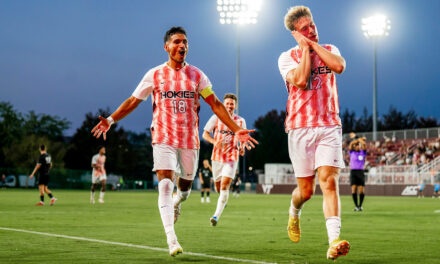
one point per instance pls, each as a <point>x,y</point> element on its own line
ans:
<point>419,133</point>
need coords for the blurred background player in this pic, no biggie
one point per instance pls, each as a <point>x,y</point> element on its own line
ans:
<point>224,154</point>
<point>436,190</point>
<point>313,123</point>
<point>236,185</point>
<point>358,153</point>
<point>205,176</point>
<point>176,88</point>
<point>420,189</point>
<point>99,174</point>
<point>43,166</point>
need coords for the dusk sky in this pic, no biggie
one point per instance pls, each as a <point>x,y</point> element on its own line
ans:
<point>68,58</point>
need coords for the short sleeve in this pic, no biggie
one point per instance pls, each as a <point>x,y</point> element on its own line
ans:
<point>95,159</point>
<point>334,50</point>
<point>243,123</point>
<point>286,63</point>
<point>145,86</point>
<point>204,82</point>
<point>210,125</point>
<point>41,160</point>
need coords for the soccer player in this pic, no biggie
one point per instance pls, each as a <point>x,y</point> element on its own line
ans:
<point>436,191</point>
<point>43,166</point>
<point>420,189</point>
<point>176,88</point>
<point>99,174</point>
<point>224,154</point>
<point>313,124</point>
<point>205,176</point>
<point>358,153</point>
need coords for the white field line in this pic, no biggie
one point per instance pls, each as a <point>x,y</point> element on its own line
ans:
<point>437,211</point>
<point>133,245</point>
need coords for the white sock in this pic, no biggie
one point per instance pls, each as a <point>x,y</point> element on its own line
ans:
<point>101,195</point>
<point>165,203</point>
<point>221,203</point>
<point>293,211</point>
<point>333,224</point>
<point>92,195</point>
<point>181,196</point>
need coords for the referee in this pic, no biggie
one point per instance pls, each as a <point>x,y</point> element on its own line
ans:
<point>358,152</point>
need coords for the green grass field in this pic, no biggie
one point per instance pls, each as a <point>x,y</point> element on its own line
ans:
<point>253,227</point>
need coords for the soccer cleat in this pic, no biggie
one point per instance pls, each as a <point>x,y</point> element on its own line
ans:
<point>53,200</point>
<point>203,200</point>
<point>208,200</point>
<point>293,229</point>
<point>338,248</point>
<point>101,201</point>
<point>176,213</point>
<point>92,201</point>
<point>213,220</point>
<point>39,203</point>
<point>360,209</point>
<point>175,248</point>
<point>356,209</point>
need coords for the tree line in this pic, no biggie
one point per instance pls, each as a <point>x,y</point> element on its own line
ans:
<point>130,154</point>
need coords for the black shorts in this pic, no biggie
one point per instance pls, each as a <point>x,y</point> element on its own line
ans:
<point>357,177</point>
<point>206,183</point>
<point>43,179</point>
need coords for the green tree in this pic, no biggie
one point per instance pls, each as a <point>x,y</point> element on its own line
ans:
<point>45,125</point>
<point>272,147</point>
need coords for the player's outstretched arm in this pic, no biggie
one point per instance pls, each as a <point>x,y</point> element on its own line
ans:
<point>123,110</point>
<point>220,111</point>
<point>335,62</point>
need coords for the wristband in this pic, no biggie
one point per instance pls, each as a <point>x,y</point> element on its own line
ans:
<point>110,120</point>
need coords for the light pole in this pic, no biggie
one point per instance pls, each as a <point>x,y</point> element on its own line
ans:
<point>375,27</point>
<point>238,12</point>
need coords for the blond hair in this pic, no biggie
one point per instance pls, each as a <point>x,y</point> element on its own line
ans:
<point>295,13</point>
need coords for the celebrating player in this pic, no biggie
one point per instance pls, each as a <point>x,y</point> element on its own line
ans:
<point>225,153</point>
<point>176,88</point>
<point>313,124</point>
<point>205,176</point>
<point>43,166</point>
<point>98,175</point>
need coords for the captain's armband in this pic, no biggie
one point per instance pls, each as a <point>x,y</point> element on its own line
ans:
<point>206,92</point>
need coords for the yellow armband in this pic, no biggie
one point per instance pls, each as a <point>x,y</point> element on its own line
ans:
<point>206,92</point>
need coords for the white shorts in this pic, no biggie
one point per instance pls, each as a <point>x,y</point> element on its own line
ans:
<point>182,161</point>
<point>226,169</point>
<point>313,147</point>
<point>96,180</point>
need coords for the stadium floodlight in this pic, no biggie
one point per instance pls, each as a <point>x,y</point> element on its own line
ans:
<point>239,12</point>
<point>374,27</point>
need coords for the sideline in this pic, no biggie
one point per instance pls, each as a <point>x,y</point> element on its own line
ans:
<point>134,246</point>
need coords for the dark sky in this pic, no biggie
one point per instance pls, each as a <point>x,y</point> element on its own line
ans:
<point>68,58</point>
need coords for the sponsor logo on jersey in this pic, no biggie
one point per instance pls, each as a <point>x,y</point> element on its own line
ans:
<point>226,132</point>
<point>321,70</point>
<point>177,94</point>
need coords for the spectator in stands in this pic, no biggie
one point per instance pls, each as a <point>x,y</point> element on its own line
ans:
<point>358,154</point>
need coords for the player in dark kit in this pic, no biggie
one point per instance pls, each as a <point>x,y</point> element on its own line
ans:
<point>205,176</point>
<point>357,178</point>
<point>44,164</point>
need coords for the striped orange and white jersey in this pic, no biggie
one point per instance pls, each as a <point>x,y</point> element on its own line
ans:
<point>228,151</point>
<point>318,104</point>
<point>98,162</point>
<point>176,104</point>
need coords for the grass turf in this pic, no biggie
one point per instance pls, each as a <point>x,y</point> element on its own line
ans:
<point>389,230</point>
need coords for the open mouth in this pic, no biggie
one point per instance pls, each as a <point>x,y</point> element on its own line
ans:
<point>182,52</point>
